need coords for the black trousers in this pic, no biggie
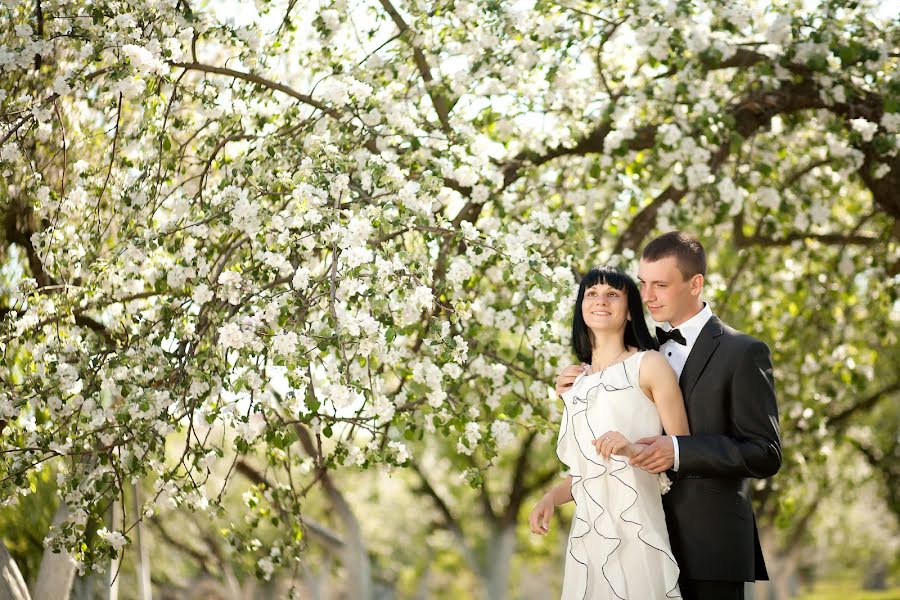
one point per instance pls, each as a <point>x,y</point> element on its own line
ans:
<point>695,589</point>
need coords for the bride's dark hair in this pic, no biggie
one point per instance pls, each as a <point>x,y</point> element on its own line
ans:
<point>637,335</point>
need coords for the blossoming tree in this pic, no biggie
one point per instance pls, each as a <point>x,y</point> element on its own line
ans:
<point>310,237</point>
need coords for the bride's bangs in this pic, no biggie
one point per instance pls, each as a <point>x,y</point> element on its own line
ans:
<point>610,276</point>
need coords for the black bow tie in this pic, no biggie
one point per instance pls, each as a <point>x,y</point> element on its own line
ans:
<point>672,335</point>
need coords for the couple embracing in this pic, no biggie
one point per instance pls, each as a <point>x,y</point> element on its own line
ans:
<point>661,437</point>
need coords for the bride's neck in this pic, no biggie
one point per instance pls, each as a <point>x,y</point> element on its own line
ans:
<point>606,349</point>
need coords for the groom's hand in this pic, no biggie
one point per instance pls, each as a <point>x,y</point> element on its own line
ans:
<point>657,456</point>
<point>567,378</point>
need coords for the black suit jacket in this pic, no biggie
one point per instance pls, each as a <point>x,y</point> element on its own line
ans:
<point>729,394</point>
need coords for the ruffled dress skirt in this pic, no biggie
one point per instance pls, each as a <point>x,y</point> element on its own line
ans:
<point>618,546</point>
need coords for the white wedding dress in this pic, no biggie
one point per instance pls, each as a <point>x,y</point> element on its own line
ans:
<point>618,546</point>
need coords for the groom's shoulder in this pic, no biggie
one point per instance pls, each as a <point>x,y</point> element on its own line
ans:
<point>739,339</point>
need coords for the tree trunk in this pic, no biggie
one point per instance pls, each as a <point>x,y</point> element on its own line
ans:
<point>354,556</point>
<point>783,581</point>
<point>84,587</point>
<point>143,560</point>
<point>499,556</point>
<point>12,586</point>
<point>782,570</point>
<point>875,576</point>
<point>316,580</point>
<point>231,582</point>
<point>423,586</point>
<point>57,571</point>
<point>112,580</point>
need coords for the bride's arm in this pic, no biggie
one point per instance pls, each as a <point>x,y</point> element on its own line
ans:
<point>659,382</point>
<point>543,510</point>
<point>562,492</point>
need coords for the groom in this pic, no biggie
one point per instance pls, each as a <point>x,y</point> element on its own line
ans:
<point>726,379</point>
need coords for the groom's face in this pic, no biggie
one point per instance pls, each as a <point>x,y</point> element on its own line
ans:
<point>664,290</point>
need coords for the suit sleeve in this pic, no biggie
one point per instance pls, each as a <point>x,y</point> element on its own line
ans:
<point>753,446</point>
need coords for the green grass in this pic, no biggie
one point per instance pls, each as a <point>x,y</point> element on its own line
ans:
<point>847,591</point>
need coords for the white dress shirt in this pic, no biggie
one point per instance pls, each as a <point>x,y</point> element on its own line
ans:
<point>677,354</point>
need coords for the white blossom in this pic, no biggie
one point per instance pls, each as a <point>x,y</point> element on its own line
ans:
<point>891,122</point>
<point>142,59</point>
<point>301,279</point>
<point>113,538</point>
<point>333,91</point>
<point>732,195</point>
<point>460,270</point>
<point>285,343</point>
<point>202,294</point>
<point>231,336</point>
<point>421,298</point>
<point>403,454</point>
<point>130,87</point>
<point>267,567</point>
<point>881,170</point>
<point>60,86</point>
<point>865,128</point>
<point>502,433</point>
<point>779,31</point>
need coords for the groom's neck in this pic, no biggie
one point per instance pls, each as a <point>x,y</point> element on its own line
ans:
<point>688,315</point>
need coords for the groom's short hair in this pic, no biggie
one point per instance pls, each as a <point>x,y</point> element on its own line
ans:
<point>684,247</point>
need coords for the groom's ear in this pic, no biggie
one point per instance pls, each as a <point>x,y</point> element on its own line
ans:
<point>697,284</point>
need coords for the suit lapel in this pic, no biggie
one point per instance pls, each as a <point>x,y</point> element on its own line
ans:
<point>700,354</point>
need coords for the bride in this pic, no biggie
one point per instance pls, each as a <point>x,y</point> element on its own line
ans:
<point>618,546</point>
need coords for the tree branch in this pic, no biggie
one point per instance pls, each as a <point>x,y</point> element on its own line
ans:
<point>750,115</point>
<point>262,81</point>
<point>800,173</point>
<point>865,404</point>
<point>449,520</point>
<point>744,241</point>
<point>593,142</point>
<point>198,556</point>
<point>485,496</point>
<point>518,490</point>
<point>540,481</point>
<point>646,219</point>
<point>884,462</point>
<point>235,137</point>
<point>354,554</point>
<point>441,106</point>
<point>18,230</point>
<point>12,585</point>
<point>320,532</point>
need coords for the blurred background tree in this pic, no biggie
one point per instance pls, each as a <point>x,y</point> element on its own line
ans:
<point>286,285</point>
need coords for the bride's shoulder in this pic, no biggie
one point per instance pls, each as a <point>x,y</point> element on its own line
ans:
<point>655,368</point>
<point>653,362</point>
<point>651,355</point>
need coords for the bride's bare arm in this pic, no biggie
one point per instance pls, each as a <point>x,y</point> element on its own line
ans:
<point>539,520</point>
<point>658,379</point>
<point>562,492</point>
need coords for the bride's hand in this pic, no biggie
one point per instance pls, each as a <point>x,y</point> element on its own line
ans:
<point>613,442</point>
<point>540,515</point>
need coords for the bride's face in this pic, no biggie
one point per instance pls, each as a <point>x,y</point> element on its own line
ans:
<point>604,308</point>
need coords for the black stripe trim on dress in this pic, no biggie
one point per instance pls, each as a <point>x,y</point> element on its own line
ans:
<point>579,480</point>
<point>612,473</point>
